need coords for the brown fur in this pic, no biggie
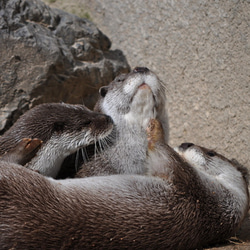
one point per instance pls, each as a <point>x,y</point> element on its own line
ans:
<point>114,212</point>
<point>45,119</point>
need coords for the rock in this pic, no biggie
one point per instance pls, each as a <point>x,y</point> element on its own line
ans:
<point>48,55</point>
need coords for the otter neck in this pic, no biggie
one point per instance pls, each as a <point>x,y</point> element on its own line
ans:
<point>140,111</point>
<point>128,153</point>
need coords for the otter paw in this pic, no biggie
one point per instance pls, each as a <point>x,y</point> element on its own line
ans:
<point>30,145</point>
<point>23,152</point>
<point>26,146</point>
<point>155,133</point>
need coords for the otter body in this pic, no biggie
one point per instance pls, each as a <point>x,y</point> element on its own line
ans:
<point>131,100</point>
<point>63,128</point>
<point>193,199</point>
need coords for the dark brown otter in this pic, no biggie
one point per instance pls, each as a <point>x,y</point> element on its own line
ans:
<point>182,206</point>
<point>63,128</point>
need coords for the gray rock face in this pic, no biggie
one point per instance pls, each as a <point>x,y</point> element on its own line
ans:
<point>48,55</point>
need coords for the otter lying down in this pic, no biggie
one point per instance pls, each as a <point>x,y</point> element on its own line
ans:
<point>192,197</point>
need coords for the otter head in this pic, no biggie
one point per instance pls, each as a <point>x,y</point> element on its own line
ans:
<point>63,128</point>
<point>213,166</point>
<point>75,126</point>
<point>134,99</point>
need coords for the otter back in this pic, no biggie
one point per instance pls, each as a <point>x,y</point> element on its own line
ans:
<point>183,211</point>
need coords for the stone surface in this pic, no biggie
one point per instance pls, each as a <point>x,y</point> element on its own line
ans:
<point>48,55</point>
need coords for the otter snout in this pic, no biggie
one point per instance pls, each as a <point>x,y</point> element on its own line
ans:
<point>184,146</point>
<point>140,70</point>
<point>106,119</point>
<point>102,120</point>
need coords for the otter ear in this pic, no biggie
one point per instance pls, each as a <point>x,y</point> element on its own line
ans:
<point>244,171</point>
<point>103,91</point>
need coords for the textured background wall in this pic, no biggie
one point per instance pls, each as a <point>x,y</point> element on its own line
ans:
<point>201,51</point>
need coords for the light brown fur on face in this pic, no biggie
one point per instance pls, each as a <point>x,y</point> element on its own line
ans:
<point>119,211</point>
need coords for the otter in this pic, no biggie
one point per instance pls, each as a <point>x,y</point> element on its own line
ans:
<point>63,129</point>
<point>131,100</point>
<point>196,197</point>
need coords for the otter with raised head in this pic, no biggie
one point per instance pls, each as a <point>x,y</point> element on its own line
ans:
<point>131,100</point>
<point>192,200</point>
<point>63,128</point>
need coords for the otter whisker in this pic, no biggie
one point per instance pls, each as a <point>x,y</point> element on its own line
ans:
<point>77,160</point>
<point>84,155</point>
<point>163,88</point>
<point>103,144</point>
<point>95,153</point>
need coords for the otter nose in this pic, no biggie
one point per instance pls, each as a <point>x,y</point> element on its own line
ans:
<point>105,119</point>
<point>186,145</point>
<point>109,119</point>
<point>140,70</point>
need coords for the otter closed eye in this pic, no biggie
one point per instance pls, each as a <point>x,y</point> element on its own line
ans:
<point>211,153</point>
<point>58,126</point>
<point>87,123</point>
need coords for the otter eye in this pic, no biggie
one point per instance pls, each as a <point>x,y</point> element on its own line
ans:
<point>103,91</point>
<point>87,123</point>
<point>120,78</point>
<point>211,153</point>
<point>59,126</point>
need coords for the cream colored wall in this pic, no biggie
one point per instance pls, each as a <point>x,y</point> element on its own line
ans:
<point>201,51</point>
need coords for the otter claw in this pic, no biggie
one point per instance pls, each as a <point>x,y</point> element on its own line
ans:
<point>23,152</point>
<point>155,133</point>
